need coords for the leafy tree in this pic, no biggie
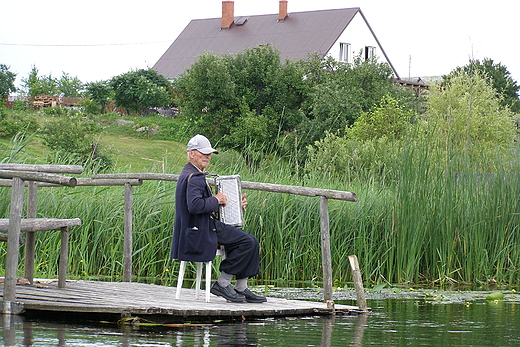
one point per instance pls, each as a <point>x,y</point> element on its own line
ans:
<point>141,89</point>
<point>242,101</point>
<point>340,93</point>
<point>7,79</point>
<point>466,116</point>
<point>206,96</point>
<point>254,101</point>
<point>36,85</point>
<point>70,86</point>
<point>498,77</point>
<point>100,92</point>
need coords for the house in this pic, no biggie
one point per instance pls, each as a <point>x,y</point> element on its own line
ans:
<point>340,33</point>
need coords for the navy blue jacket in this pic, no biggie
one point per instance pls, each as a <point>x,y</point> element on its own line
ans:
<point>194,234</point>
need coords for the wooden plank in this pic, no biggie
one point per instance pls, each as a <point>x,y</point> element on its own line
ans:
<point>40,224</point>
<point>140,299</point>
<point>40,177</point>
<point>82,181</point>
<point>70,169</point>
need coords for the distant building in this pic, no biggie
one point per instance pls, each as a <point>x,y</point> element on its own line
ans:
<point>340,33</point>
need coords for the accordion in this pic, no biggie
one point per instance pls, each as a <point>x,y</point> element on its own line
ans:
<point>231,186</point>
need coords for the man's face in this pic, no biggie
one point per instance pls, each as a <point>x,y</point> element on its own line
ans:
<point>199,160</point>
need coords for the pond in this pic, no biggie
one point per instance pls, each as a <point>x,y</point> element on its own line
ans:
<point>392,322</point>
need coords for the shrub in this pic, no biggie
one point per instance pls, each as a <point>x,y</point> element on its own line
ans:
<point>14,122</point>
<point>71,138</point>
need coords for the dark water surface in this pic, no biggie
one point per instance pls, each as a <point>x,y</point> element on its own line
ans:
<point>393,322</point>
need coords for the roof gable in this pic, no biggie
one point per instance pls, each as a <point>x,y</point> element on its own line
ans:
<point>298,35</point>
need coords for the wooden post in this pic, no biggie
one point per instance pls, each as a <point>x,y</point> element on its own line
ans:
<point>13,245</point>
<point>358,283</point>
<point>325,251</point>
<point>127,252</point>
<point>64,257</point>
<point>30,237</point>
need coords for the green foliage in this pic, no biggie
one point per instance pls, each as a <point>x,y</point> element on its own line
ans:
<point>71,138</point>
<point>66,85</point>
<point>13,122</point>
<point>101,93</point>
<point>253,102</point>
<point>242,101</point>
<point>497,76</point>
<point>69,86</point>
<point>467,117</point>
<point>35,85</point>
<point>388,119</point>
<point>141,89</point>
<point>353,159</point>
<point>340,93</point>
<point>7,79</point>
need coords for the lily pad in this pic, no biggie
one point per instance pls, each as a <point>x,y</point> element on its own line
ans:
<point>495,296</point>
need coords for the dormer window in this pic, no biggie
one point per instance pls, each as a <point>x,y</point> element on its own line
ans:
<point>344,52</point>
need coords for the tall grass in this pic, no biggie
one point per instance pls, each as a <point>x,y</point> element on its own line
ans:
<point>433,222</point>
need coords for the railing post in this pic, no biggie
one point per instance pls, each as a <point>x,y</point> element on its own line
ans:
<point>64,257</point>
<point>127,252</point>
<point>358,283</point>
<point>30,237</point>
<point>13,245</point>
<point>325,251</point>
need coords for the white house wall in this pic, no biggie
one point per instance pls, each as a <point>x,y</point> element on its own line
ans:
<point>358,35</point>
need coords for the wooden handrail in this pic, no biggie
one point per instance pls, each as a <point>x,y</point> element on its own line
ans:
<point>69,169</point>
<point>268,187</point>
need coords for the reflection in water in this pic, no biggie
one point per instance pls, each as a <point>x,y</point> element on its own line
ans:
<point>392,323</point>
<point>359,328</point>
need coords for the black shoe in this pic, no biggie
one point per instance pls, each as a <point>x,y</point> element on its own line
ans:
<point>252,297</point>
<point>227,293</point>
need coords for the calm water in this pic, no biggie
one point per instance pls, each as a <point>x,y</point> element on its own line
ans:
<point>393,322</point>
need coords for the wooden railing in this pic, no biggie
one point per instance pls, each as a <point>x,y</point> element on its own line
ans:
<point>324,194</point>
<point>19,175</point>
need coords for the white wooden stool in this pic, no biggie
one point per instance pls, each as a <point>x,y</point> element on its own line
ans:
<point>220,251</point>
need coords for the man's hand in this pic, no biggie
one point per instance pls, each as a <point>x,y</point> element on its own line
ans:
<point>222,199</point>
<point>244,201</point>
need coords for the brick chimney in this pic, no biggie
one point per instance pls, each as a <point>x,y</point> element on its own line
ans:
<point>228,14</point>
<point>282,13</point>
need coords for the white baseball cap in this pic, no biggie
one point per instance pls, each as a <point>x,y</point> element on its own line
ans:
<point>201,144</point>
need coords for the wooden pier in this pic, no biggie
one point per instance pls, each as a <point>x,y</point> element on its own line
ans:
<point>115,300</point>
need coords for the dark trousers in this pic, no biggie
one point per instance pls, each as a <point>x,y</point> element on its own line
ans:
<point>242,251</point>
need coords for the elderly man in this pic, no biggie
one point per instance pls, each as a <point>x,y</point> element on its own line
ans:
<point>197,232</point>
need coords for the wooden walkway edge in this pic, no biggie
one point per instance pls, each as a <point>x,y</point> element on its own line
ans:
<point>129,299</point>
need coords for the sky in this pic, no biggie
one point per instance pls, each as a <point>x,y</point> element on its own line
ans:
<point>99,39</point>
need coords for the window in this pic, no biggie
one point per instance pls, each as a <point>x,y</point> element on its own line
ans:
<point>370,52</point>
<point>344,52</point>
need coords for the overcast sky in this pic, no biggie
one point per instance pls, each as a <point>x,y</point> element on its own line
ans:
<point>96,40</point>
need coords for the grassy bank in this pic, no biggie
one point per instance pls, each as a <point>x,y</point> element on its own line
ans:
<point>429,225</point>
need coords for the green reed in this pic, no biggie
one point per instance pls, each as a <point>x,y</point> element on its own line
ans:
<point>433,221</point>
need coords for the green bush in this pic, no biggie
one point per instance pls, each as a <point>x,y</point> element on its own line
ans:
<point>14,122</point>
<point>72,140</point>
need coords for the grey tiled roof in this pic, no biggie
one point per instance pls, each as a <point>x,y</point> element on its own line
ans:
<point>298,35</point>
